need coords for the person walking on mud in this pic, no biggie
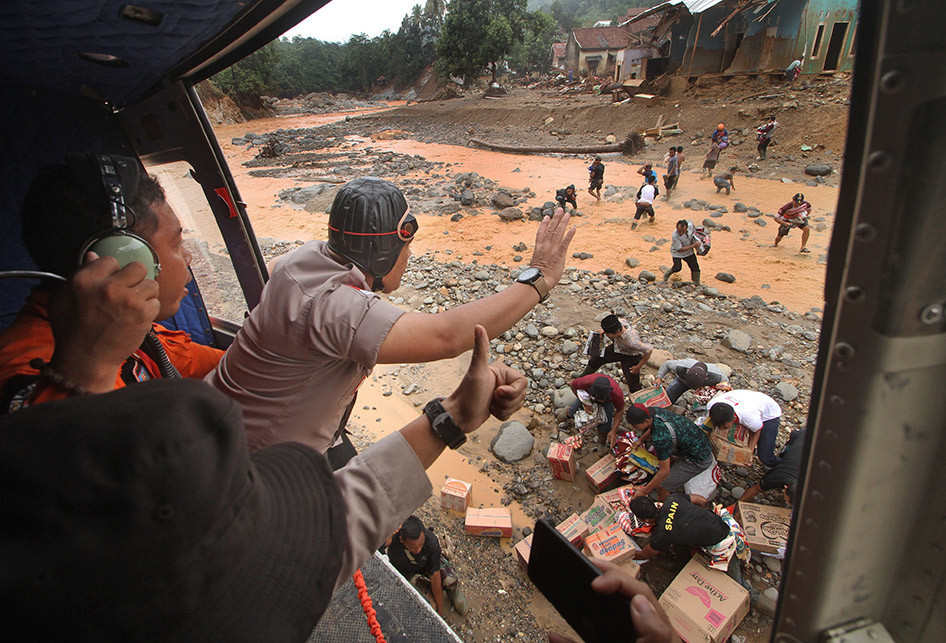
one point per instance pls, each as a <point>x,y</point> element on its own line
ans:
<point>710,163</point>
<point>673,172</point>
<point>764,134</point>
<point>794,214</point>
<point>596,178</point>
<point>645,200</point>
<point>683,248</point>
<point>626,347</point>
<point>567,195</point>
<point>724,180</point>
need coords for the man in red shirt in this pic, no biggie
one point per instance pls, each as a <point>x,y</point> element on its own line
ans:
<point>794,214</point>
<point>606,392</point>
<point>96,332</point>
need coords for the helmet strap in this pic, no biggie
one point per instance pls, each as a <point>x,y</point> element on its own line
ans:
<point>377,283</point>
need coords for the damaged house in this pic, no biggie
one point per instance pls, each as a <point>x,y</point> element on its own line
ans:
<point>697,37</point>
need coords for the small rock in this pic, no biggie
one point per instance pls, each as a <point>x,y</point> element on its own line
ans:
<point>502,200</point>
<point>740,207</point>
<point>647,275</point>
<point>549,331</point>
<point>511,214</point>
<point>786,391</point>
<point>768,600</point>
<point>632,262</point>
<point>725,276</point>
<point>818,170</point>
<point>774,564</point>
<point>761,222</point>
<point>737,492</point>
<point>738,340</point>
<point>563,397</point>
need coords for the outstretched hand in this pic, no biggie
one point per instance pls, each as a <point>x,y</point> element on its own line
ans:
<point>551,246</point>
<point>485,388</point>
<point>650,620</point>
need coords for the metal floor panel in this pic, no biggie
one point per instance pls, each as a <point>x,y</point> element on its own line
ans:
<point>404,615</point>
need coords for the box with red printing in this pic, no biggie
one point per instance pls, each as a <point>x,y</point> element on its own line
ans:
<point>561,459</point>
<point>613,498</point>
<point>728,452</point>
<point>602,474</point>
<point>610,544</point>
<point>574,529</point>
<point>704,605</point>
<point>456,495</point>
<point>598,516</point>
<point>489,521</point>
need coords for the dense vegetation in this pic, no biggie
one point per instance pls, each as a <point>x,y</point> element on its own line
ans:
<point>466,37</point>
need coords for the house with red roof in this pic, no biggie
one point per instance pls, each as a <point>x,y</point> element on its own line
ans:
<point>593,51</point>
<point>557,53</point>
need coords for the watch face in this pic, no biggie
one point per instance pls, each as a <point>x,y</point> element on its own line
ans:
<point>528,274</point>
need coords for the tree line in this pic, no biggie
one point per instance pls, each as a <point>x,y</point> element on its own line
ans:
<point>463,38</point>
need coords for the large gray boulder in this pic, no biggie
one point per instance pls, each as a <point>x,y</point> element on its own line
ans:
<point>738,340</point>
<point>512,443</point>
<point>562,398</point>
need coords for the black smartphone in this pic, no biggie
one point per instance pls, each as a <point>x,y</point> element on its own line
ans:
<point>563,574</point>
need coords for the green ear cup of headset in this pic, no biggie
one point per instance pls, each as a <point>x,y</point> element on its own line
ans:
<point>126,248</point>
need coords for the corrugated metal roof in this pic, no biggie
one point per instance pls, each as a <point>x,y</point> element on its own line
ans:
<point>693,6</point>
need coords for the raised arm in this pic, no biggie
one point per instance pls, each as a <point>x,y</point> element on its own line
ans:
<point>421,337</point>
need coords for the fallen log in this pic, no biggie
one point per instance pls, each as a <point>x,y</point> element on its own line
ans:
<point>544,149</point>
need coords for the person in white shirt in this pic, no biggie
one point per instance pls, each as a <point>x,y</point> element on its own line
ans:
<point>757,412</point>
<point>645,199</point>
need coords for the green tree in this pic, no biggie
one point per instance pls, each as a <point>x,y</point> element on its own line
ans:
<point>478,34</point>
<point>532,53</point>
<point>253,76</point>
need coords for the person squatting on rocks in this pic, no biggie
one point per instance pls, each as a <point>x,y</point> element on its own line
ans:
<point>679,523</point>
<point>783,475</point>
<point>683,248</point>
<point>320,328</point>
<point>566,195</point>
<point>414,550</point>
<point>595,178</point>
<point>607,393</point>
<point>673,172</point>
<point>645,200</point>
<point>755,411</point>
<point>689,374</point>
<point>724,180</point>
<point>626,347</point>
<point>764,133</point>
<point>794,214</point>
<point>710,163</point>
<point>675,435</point>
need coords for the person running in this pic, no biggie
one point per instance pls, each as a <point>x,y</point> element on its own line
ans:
<point>567,195</point>
<point>710,163</point>
<point>595,178</point>
<point>764,134</point>
<point>794,214</point>
<point>645,200</point>
<point>673,172</point>
<point>683,248</point>
<point>724,180</point>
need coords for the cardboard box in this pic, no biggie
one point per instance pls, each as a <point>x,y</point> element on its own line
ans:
<point>610,544</point>
<point>523,549</point>
<point>613,498</point>
<point>574,529</point>
<point>456,495</point>
<point>736,434</point>
<point>602,474</point>
<point>489,521</point>
<point>598,516</point>
<point>561,459</point>
<point>704,605</point>
<point>766,527</point>
<point>729,452</point>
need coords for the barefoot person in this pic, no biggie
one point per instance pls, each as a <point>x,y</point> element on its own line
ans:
<point>596,178</point>
<point>709,164</point>
<point>794,214</point>
<point>673,172</point>
<point>566,195</point>
<point>764,134</point>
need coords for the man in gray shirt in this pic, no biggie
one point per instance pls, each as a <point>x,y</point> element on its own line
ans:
<point>690,374</point>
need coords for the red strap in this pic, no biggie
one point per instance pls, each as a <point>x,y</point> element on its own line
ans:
<point>370,615</point>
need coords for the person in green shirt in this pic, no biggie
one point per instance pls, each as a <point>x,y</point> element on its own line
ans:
<point>672,435</point>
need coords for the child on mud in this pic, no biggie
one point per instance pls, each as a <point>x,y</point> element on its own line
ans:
<point>724,180</point>
<point>645,200</point>
<point>596,178</point>
<point>710,163</point>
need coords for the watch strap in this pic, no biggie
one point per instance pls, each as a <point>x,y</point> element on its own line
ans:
<point>443,424</point>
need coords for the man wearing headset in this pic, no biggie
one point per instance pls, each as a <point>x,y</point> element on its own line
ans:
<point>86,335</point>
<point>321,327</point>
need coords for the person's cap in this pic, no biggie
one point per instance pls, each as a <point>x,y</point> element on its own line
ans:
<point>598,159</point>
<point>140,515</point>
<point>721,126</point>
<point>798,197</point>
<point>695,375</point>
<point>601,389</point>
<point>611,324</point>
<point>369,223</point>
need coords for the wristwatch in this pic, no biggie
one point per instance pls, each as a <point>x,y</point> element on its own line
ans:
<point>444,424</point>
<point>535,278</point>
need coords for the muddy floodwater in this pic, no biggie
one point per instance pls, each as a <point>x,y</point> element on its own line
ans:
<point>777,274</point>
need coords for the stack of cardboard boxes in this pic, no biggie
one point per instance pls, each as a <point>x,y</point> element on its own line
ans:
<point>731,446</point>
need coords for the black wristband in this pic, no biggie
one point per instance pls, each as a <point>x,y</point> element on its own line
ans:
<point>443,424</point>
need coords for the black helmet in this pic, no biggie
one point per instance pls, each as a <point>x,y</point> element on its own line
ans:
<point>369,224</point>
<point>798,198</point>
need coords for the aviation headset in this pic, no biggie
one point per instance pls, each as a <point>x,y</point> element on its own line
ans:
<point>119,177</point>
